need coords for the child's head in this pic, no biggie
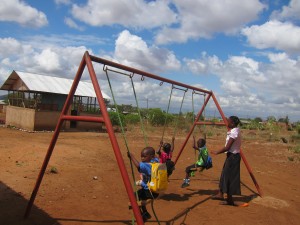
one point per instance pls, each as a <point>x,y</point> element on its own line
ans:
<point>147,154</point>
<point>201,142</point>
<point>166,147</point>
<point>233,121</point>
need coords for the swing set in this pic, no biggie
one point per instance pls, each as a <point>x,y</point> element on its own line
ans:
<point>87,61</point>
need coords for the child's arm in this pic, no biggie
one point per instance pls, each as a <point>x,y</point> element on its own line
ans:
<point>134,160</point>
<point>194,145</point>
<point>159,150</point>
<point>172,145</point>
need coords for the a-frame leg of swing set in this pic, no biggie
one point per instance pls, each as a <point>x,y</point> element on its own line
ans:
<point>86,61</point>
<point>224,123</point>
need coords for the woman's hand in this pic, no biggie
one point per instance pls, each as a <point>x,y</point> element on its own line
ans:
<point>214,152</point>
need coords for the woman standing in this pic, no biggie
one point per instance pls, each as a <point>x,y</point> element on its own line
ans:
<point>230,176</point>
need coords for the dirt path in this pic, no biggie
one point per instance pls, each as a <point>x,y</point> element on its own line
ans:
<point>88,188</point>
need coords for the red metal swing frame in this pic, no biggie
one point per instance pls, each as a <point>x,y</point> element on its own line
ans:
<point>87,62</point>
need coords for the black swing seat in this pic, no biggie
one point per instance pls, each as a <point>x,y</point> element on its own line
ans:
<point>146,202</point>
<point>141,203</point>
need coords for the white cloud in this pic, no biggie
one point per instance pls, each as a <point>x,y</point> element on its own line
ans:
<point>255,88</point>
<point>61,55</point>
<point>47,60</point>
<point>248,64</point>
<point>58,61</point>
<point>30,57</point>
<point>131,50</point>
<point>10,46</point>
<point>202,19</point>
<point>292,11</point>
<point>39,41</point>
<point>203,66</point>
<point>21,13</point>
<point>274,34</point>
<point>71,23</point>
<point>129,13</point>
<point>196,66</point>
<point>62,2</point>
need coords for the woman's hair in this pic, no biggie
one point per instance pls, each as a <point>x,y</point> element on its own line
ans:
<point>167,147</point>
<point>235,120</point>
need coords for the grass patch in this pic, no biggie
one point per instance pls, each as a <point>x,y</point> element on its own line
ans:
<point>290,158</point>
<point>53,169</point>
<point>296,149</point>
<point>295,138</point>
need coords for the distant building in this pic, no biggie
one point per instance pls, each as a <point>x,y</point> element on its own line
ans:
<point>2,104</point>
<point>35,101</point>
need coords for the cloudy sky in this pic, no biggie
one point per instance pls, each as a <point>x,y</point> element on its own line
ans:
<point>246,52</point>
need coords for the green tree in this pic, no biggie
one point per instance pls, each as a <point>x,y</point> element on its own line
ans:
<point>189,116</point>
<point>158,118</point>
<point>284,120</point>
<point>298,128</point>
<point>271,119</point>
<point>132,119</point>
<point>114,118</point>
<point>258,119</point>
<point>254,125</point>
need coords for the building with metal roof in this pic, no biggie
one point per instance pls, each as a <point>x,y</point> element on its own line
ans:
<point>35,101</point>
<point>22,81</point>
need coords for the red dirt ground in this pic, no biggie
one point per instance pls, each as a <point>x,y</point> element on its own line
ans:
<point>73,196</point>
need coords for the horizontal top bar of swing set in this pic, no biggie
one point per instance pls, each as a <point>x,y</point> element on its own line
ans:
<point>84,118</point>
<point>210,123</point>
<point>143,73</point>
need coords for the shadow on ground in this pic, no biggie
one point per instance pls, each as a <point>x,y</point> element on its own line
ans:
<point>12,208</point>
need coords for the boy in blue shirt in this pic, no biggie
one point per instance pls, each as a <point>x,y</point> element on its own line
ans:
<point>144,167</point>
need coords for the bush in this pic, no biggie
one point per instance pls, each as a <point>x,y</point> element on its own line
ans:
<point>295,138</point>
<point>296,149</point>
<point>132,119</point>
<point>253,125</point>
<point>209,133</point>
<point>272,126</point>
<point>181,123</point>
<point>114,118</point>
<point>170,118</point>
<point>158,117</point>
<point>298,128</point>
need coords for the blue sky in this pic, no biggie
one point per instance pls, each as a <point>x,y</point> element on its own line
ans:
<point>246,52</point>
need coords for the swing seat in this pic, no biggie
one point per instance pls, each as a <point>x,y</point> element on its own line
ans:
<point>146,202</point>
<point>194,169</point>
<point>141,203</point>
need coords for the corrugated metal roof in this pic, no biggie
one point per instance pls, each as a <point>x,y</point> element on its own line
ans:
<point>41,83</point>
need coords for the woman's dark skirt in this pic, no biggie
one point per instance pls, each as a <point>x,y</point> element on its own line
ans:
<point>230,177</point>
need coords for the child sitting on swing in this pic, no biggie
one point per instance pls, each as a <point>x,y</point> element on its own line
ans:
<point>144,167</point>
<point>165,156</point>
<point>203,162</point>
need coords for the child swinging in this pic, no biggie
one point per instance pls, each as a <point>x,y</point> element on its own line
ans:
<point>165,156</point>
<point>203,161</point>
